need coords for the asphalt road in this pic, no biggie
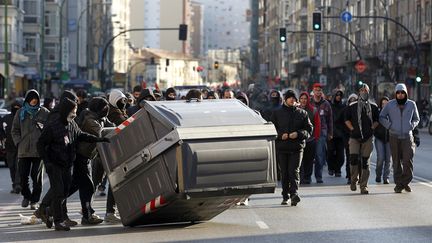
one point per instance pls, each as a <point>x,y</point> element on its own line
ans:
<point>328,212</point>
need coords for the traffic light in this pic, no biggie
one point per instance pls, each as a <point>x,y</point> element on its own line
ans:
<point>183,32</point>
<point>216,65</point>
<point>316,21</point>
<point>360,83</point>
<point>418,79</point>
<point>282,34</point>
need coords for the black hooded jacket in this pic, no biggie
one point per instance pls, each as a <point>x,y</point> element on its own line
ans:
<point>291,119</point>
<point>338,109</point>
<point>58,142</point>
<point>6,127</point>
<point>146,94</point>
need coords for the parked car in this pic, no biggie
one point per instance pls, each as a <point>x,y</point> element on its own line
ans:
<point>3,112</point>
<point>430,125</point>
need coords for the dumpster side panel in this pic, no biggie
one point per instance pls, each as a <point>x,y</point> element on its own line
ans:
<point>225,163</point>
<point>147,183</point>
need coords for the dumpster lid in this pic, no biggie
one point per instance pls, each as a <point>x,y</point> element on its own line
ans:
<point>225,112</point>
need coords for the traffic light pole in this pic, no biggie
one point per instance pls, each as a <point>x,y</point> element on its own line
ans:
<point>329,33</point>
<point>102,71</point>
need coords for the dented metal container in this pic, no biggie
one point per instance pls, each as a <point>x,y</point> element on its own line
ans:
<point>179,161</point>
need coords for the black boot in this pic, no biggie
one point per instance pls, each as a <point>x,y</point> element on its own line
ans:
<point>61,227</point>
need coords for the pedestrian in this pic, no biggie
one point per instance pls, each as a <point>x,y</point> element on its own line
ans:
<point>49,103</point>
<point>82,100</point>
<point>307,163</point>
<point>212,95</point>
<point>351,99</point>
<point>228,94</point>
<point>275,102</point>
<point>57,147</point>
<point>136,91</point>
<point>293,129</point>
<point>146,94</point>
<point>335,146</point>
<point>10,147</point>
<point>361,118</point>
<point>43,212</point>
<point>326,133</point>
<point>243,98</point>
<point>382,146</point>
<point>90,121</point>
<point>401,116</point>
<point>170,94</point>
<point>26,129</point>
<point>194,94</point>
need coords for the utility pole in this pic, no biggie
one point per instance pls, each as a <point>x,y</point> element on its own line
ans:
<point>6,49</point>
<point>42,48</point>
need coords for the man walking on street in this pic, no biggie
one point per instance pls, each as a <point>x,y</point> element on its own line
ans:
<point>361,118</point>
<point>401,116</point>
<point>293,128</point>
<point>326,133</point>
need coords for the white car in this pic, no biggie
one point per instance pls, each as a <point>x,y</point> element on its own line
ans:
<point>430,125</point>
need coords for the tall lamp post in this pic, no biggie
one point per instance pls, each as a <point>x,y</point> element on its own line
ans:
<point>6,48</point>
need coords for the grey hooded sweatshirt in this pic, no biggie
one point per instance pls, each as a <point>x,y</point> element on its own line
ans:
<point>400,119</point>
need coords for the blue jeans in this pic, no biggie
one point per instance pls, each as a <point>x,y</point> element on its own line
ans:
<point>320,156</point>
<point>383,159</point>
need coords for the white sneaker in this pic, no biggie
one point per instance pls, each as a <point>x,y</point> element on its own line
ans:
<point>112,218</point>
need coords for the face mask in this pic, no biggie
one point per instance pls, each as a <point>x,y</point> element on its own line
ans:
<point>121,104</point>
<point>71,116</point>
<point>364,96</point>
<point>402,101</point>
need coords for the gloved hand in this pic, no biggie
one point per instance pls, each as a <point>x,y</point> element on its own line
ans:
<point>104,140</point>
<point>417,140</point>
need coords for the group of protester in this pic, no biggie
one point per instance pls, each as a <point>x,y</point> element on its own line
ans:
<point>312,131</point>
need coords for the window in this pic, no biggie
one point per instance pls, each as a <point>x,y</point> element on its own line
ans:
<point>51,23</point>
<point>29,43</point>
<point>428,13</point>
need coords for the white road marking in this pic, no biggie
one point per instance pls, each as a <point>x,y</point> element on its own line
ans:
<point>262,225</point>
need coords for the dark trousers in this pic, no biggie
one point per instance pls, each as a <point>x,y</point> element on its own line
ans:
<point>290,172</point>
<point>60,180</point>
<point>12,160</point>
<point>402,151</point>
<point>98,174</point>
<point>31,167</point>
<point>307,163</point>
<point>347,157</point>
<point>335,154</point>
<point>82,181</point>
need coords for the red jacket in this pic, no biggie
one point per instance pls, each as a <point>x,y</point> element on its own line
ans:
<point>314,117</point>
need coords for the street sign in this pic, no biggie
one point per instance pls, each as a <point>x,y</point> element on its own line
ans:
<point>360,66</point>
<point>346,16</point>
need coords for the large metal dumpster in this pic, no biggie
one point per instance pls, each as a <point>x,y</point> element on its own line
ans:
<point>179,161</point>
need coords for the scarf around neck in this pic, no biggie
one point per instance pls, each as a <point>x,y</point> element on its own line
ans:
<point>363,105</point>
<point>31,110</point>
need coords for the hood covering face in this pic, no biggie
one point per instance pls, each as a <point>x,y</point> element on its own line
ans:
<point>338,93</point>
<point>146,94</point>
<point>353,98</point>
<point>66,107</point>
<point>99,106</point>
<point>401,88</point>
<point>30,95</point>
<point>275,97</point>
<point>170,91</point>
<point>70,95</point>
<point>243,97</point>
<point>114,96</point>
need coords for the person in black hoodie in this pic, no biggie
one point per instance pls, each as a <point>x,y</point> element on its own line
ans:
<point>293,128</point>
<point>335,146</point>
<point>57,147</point>
<point>146,94</point>
<point>11,148</point>
<point>170,94</point>
<point>382,147</point>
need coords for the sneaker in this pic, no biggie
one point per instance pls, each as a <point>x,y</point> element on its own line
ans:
<point>112,218</point>
<point>34,206</point>
<point>61,227</point>
<point>407,188</point>
<point>398,189</point>
<point>320,181</point>
<point>25,202</point>
<point>338,174</point>
<point>94,219</point>
<point>331,172</point>
<point>349,182</point>
<point>364,191</point>
<point>244,202</point>
<point>386,181</point>
<point>70,223</point>
<point>294,200</point>
<point>353,187</point>
<point>284,202</point>
<point>378,179</point>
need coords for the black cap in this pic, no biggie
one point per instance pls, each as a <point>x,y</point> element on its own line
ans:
<point>290,94</point>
